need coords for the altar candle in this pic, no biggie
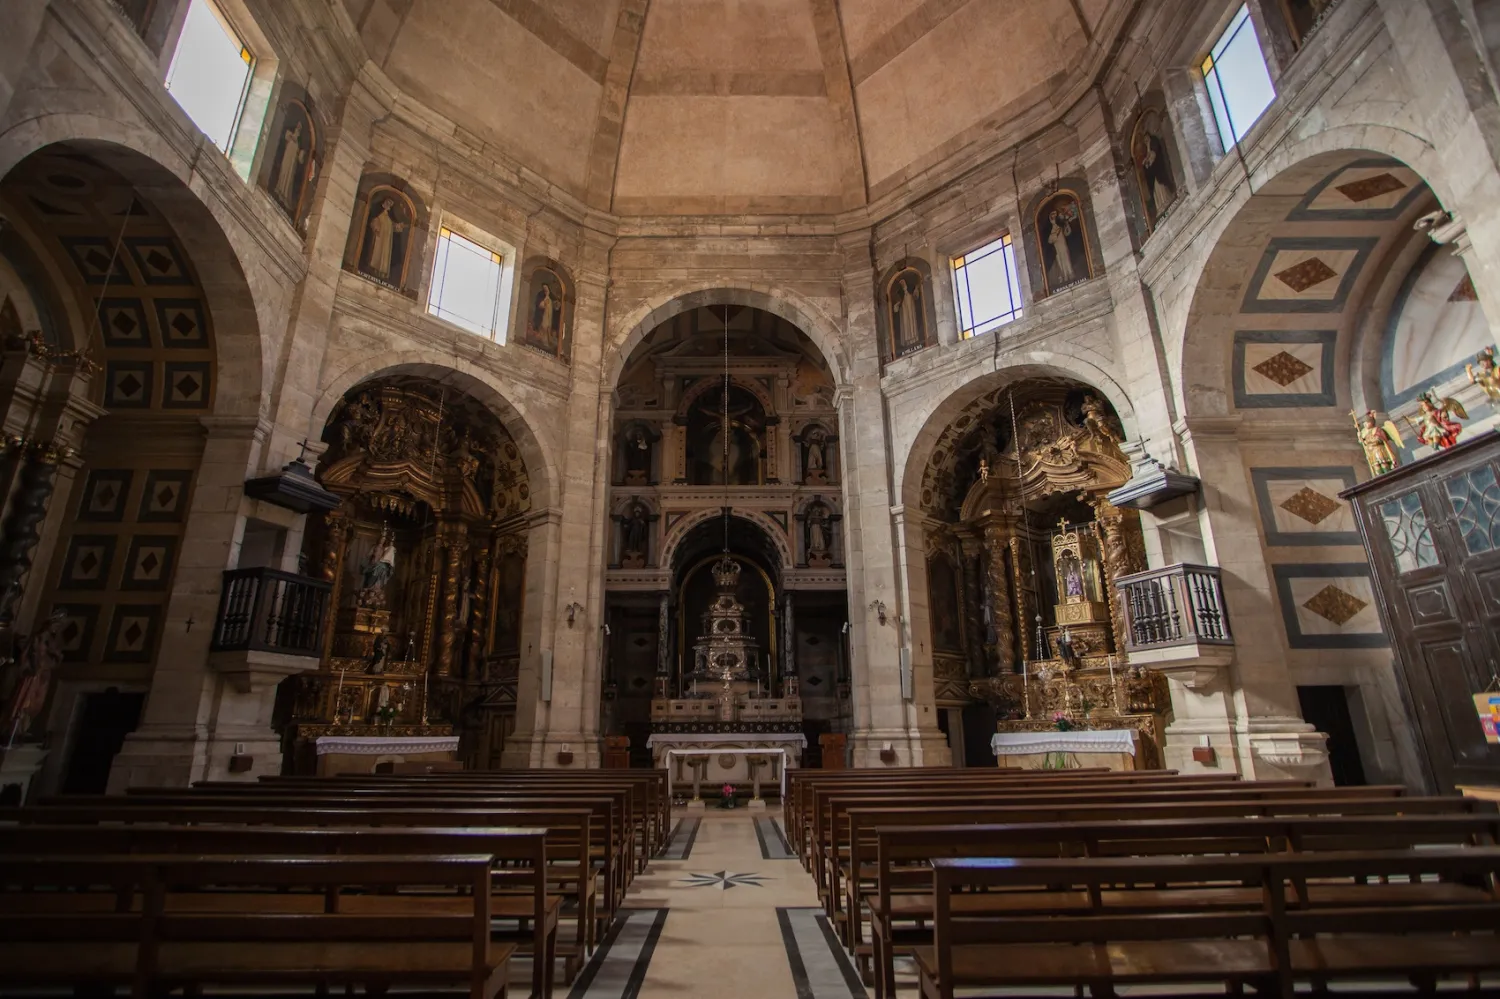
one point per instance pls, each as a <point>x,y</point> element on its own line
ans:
<point>338,697</point>
<point>424,698</point>
<point>1111,661</point>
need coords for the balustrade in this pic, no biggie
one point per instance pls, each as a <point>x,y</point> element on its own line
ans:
<point>1176,605</point>
<point>266,610</point>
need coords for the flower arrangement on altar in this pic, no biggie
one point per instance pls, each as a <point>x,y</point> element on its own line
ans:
<point>1063,723</point>
<point>726,797</point>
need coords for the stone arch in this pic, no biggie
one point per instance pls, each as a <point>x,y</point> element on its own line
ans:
<point>223,250</point>
<point>681,529</point>
<point>1233,307</point>
<point>1032,364</point>
<point>539,466</point>
<point>822,329</point>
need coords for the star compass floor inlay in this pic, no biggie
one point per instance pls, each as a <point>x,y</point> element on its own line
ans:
<point>723,880</point>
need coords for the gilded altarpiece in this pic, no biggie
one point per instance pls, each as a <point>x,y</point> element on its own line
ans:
<point>426,554</point>
<point>1022,552</point>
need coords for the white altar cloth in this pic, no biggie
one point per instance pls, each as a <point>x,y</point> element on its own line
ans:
<point>753,751</point>
<point>379,745</point>
<point>1113,740</point>
<point>706,738</point>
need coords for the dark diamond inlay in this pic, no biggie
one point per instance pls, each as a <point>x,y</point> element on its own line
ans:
<point>129,385</point>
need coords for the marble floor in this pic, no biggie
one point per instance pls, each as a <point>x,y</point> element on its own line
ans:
<point>726,912</point>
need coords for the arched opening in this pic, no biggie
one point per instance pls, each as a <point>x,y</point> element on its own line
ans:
<point>1022,547</point>
<point>682,453</point>
<point>426,558</point>
<point>1337,289</point>
<point>121,306</point>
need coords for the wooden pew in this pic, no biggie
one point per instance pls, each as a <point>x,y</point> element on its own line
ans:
<point>519,880</point>
<point>150,945</point>
<point>901,904</point>
<point>1102,938</point>
<point>610,848</point>
<point>567,837</point>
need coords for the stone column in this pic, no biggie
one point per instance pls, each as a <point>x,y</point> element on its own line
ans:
<point>571,717</point>
<point>200,707</point>
<point>881,715</point>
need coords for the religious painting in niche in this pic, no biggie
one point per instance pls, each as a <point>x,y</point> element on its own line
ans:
<point>707,453</point>
<point>549,312</point>
<point>1153,165</point>
<point>943,594</point>
<point>1062,242</point>
<point>385,242</point>
<point>295,163</point>
<point>908,315</point>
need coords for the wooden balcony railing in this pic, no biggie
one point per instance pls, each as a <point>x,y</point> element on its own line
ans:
<point>1177,605</point>
<point>266,610</point>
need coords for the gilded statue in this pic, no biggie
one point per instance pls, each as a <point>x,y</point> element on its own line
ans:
<point>1488,375</point>
<point>1438,423</point>
<point>1096,419</point>
<point>1379,441</point>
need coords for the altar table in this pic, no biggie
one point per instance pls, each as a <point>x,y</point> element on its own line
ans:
<point>730,748</point>
<point>1114,749</point>
<point>351,754</point>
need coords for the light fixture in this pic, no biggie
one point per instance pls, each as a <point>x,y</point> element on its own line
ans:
<point>878,606</point>
<point>573,609</point>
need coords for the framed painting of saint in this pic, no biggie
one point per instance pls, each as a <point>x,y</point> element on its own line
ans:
<point>385,243</point>
<point>1153,165</point>
<point>1062,242</point>
<point>548,311</point>
<point>295,163</point>
<point>908,312</point>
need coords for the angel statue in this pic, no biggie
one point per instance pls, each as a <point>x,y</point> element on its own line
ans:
<point>1436,426</point>
<point>1488,375</point>
<point>1379,440</point>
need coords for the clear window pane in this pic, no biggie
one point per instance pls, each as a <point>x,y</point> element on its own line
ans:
<point>1239,83</point>
<point>986,288</point>
<point>210,74</point>
<point>465,284</point>
<point>1475,498</point>
<point>1407,530</point>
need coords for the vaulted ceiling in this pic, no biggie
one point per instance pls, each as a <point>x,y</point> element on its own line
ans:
<point>734,106</point>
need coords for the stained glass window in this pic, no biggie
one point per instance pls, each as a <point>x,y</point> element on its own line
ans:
<point>1408,532</point>
<point>1475,496</point>
<point>986,288</point>
<point>1239,84</point>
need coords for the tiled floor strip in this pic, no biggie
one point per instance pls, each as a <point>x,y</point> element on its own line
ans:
<point>773,844</point>
<point>820,969</point>
<point>619,966</point>
<point>680,845</point>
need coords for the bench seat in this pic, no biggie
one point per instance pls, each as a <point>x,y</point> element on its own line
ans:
<point>1121,963</point>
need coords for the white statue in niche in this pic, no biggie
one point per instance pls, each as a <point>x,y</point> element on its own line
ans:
<point>292,155</point>
<point>382,240</point>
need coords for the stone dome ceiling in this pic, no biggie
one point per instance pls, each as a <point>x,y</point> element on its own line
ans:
<point>736,106</point>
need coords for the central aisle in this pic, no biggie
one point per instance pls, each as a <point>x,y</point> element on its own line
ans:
<point>726,912</point>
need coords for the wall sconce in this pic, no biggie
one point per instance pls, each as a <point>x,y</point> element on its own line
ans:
<point>573,609</point>
<point>878,606</point>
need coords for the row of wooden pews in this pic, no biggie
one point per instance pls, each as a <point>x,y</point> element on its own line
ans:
<point>1000,882</point>
<point>410,881</point>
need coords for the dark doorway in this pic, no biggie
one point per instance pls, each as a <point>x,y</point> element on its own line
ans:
<point>103,723</point>
<point>979,725</point>
<point>1327,710</point>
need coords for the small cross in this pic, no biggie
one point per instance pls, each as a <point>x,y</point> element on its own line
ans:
<point>303,444</point>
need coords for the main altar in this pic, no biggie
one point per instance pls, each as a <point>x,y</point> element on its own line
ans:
<point>730,725</point>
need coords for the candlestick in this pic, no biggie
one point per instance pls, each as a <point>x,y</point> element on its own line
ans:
<point>338,700</point>
<point>424,697</point>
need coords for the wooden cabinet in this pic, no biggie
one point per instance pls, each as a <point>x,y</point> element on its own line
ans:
<point>1432,531</point>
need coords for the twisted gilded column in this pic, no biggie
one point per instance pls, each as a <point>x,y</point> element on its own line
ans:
<point>1122,556</point>
<point>998,532</point>
<point>455,543</point>
<point>22,529</point>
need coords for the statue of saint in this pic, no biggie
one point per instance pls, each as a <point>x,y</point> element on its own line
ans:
<point>904,311</point>
<point>292,154</point>
<point>817,531</point>
<point>816,460</point>
<point>1488,375</point>
<point>1379,442</point>
<point>376,572</point>
<point>637,455</point>
<point>1057,236</point>
<point>636,523</point>
<point>381,240</point>
<point>380,656</point>
<point>1096,419</point>
<point>1436,426</point>
<point>39,659</point>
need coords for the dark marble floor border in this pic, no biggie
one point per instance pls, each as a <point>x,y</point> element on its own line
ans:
<point>627,943</point>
